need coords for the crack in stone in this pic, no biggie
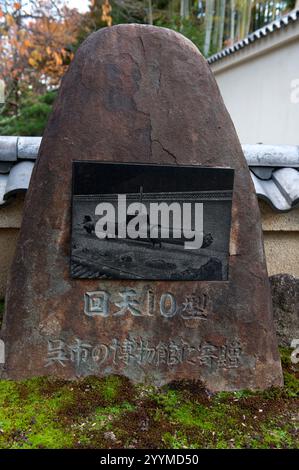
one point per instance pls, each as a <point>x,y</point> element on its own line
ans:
<point>148,115</point>
<point>142,44</point>
<point>159,80</point>
<point>165,150</point>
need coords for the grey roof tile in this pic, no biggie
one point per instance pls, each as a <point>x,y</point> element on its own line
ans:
<point>270,28</point>
<point>281,191</point>
<point>268,191</point>
<point>262,172</point>
<point>28,147</point>
<point>3,181</point>
<point>17,180</point>
<point>287,180</point>
<point>8,148</point>
<point>271,155</point>
<point>5,167</point>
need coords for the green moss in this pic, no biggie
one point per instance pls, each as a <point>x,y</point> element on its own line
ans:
<point>168,399</point>
<point>112,412</point>
<point>237,395</point>
<point>104,417</point>
<point>291,384</point>
<point>285,356</point>
<point>290,376</point>
<point>111,388</point>
<point>178,440</point>
<point>94,427</point>
<point>212,425</point>
<point>27,419</point>
<point>276,437</point>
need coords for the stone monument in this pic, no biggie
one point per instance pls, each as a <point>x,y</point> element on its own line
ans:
<point>139,114</point>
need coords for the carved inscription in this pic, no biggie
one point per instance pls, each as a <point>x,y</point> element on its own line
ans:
<point>128,301</point>
<point>140,351</point>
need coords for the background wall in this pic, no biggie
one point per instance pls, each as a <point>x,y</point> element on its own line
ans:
<point>261,92</point>
<point>10,222</point>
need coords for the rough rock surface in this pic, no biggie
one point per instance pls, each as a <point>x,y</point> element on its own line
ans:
<point>285,297</point>
<point>136,93</point>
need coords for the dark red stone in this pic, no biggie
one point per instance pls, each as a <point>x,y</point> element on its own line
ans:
<point>137,93</point>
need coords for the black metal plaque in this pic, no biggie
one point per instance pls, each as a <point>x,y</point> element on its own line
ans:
<point>152,222</point>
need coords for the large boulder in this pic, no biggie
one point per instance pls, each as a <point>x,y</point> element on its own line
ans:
<point>285,296</point>
<point>139,94</point>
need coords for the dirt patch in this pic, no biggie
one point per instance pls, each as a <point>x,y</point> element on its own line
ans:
<point>192,390</point>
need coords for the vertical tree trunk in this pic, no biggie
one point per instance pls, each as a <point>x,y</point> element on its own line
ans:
<point>184,10</point>
<point>210,4</point>
<point>216,23</point>
<point>232,21</point>
<point>253,17</point>
<point>274,10</point>
<point>221,24</point>
<point>246,18</point>
<point>263,13</point>
<point>150,12</point>
<point>170,8</point>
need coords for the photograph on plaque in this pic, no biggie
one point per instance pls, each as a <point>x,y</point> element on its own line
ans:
<point>150,222</point>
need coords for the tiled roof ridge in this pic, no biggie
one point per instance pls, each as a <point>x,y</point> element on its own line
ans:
<point>275,25</point>
<point>274,170</point>
<point>15,148</point>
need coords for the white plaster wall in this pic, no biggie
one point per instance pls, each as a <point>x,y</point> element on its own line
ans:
<point>262,95</point>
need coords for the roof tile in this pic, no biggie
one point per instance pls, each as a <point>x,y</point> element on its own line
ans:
<point>282,22</point>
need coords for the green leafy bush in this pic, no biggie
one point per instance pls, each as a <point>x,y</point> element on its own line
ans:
<point>32,117</point>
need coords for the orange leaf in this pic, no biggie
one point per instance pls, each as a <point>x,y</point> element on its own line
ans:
<point>57,58</point>
<point>26,43</point>
<point>9,19</point>
<point>32,62</point>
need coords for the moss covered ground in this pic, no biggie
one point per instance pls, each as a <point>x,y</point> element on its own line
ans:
<point>113,413</point>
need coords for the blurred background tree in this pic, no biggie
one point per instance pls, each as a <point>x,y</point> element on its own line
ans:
<point>36,46</point>
<point>39,37</point>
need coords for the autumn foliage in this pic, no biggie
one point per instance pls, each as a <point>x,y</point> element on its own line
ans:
<point>36,45</point>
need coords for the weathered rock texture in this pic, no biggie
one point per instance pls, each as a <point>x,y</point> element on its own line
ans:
<point>285,296</point>
<point>138,94</point>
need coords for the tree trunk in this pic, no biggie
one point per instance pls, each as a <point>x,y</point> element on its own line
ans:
<point>249,12</point>
<point>210,4</point>
<point>150,12</point>
<point>246,18</point>
<point>221,24</point>
<point>274,10</point>
<point>262,17</point>
<point>184,10</point>
<point>238,31</point>
<point>216,25</point>
<point>232,21</point>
